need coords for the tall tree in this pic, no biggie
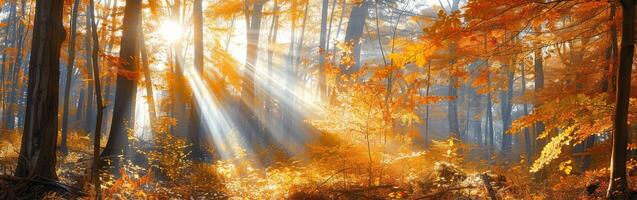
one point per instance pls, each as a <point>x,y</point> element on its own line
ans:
<point>452,106</point>
<point>272,39</point>
<point>253,12</point>
<point>95,47</point>
<point>538,80</point>
<point>126,89</point>
<point>39,137</point>
<point>322,49</point>
<point>195,127</point>
<point>69,74</point>
<point>618,187</point>
<point>148,83</point>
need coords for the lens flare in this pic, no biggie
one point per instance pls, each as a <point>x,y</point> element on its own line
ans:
<point>170,31</point>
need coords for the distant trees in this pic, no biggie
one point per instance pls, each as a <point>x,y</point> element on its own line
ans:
<point>39,137</point>
<point>557,78</point>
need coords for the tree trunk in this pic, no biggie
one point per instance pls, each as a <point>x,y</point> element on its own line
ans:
<point>148,83</point>
<point>528,138</point>
<point>195,120</point>
<point>452,108</point>
<point>618,187</point>
<point>90,110</point>
<point>298,54</point>
<point>271,45</point>
<point>322,49</point>
<point>69,75</point>
<point>452,112</point>
<point>427,91</point>
<point>539,84</point>
<point>126,89</point>
<point>338,30</point>
<point>354,32</point>
<point>488,107</point>
<point>251,127</point>
<point>505,107</point>
<point>37,151</point>
<point>98,100</point>
<point>489,116</point>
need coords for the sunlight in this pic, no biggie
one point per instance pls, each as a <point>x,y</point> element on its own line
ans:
<point>227,140</point>
<point>170,31</point>
<point>142,118</point>
<point>309,99</point>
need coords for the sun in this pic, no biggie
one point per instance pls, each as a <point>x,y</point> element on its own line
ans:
<point>170,31</point>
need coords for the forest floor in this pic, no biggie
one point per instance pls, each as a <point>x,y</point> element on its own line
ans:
<point>300,180</point>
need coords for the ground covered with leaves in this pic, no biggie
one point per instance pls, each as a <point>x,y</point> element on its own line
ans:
<point>439,173</point>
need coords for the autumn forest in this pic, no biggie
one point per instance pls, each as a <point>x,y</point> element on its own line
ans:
<point>318,99</point>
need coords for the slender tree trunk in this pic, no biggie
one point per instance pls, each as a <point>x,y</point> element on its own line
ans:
<point>538,66</point>
<point>123,108</point>
<point>539,84</point>
<point>489,106</point>
<point>505,107</point>
<point>271,45</point>
<point>489,110</point>
<point>618,187</point>
<point>98,100</point>
<point>90,110</point>
<point>299,47</point>
<point>322,48</point>
<point>69,78</point>
<point>426,137</point>
<point>528,138</point>
<point>37,151</point>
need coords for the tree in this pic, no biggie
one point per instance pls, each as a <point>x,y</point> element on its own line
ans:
<point>253,12</point>
<point>69,74</point>
<point>39,137</point>
<point>452,106</point>
<point>92,27</point>
<point>126,89</point>
<point>322,49</point>
<point>355,27</point>
<point>618,187</point>
<point>195,127</point>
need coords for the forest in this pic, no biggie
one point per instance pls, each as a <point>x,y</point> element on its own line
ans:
<point>318,99</point>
